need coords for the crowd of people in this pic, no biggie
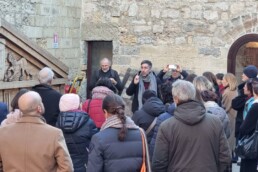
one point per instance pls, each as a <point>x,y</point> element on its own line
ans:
<point>180,122</point>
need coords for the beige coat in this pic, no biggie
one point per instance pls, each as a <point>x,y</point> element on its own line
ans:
<point>227,98</point>
<point>30,145</point>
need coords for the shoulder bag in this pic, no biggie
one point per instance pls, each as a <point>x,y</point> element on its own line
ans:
<point>145,155</point>
<point>247,147</point>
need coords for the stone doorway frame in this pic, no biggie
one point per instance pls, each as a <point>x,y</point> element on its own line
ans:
<point>232,53</point>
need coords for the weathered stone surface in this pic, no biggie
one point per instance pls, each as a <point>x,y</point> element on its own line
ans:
<point>129,50</point>
<point>133,10</point>
<point>142,28</point>
<point>155,13</point>
<point>210,15</point>
<point>157,29</point>
<point>210,51</point>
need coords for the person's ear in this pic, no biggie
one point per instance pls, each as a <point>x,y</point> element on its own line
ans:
<point>176,100</point>
<point>39,109</point>
<point>105,113</point>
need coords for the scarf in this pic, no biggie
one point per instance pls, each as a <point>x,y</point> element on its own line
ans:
<point>153,86</point>
<point>248,105</point>
<point>115,122</point>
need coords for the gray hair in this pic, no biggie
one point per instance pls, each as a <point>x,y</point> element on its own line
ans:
<point>45,75</point>
<point>202,83</point>
<point>183,90</point>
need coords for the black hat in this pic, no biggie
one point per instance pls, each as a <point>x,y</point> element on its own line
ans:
<point>250,71</point>
<point>148,94</point>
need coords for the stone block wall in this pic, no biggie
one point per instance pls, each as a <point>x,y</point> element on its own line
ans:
<point>40,20</point>
<point>195,34</point>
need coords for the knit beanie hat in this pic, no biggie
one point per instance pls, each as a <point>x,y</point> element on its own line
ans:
<point>250,71</point>
<point>69,102</point>
<point>148,94</point>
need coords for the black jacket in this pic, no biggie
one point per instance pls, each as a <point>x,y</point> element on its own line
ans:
<point>78,129</point>
<point>111,73</point>
<point>151,109</point>
<point>108,154</point>
<point>50,99</point>
<point>238,104</point>
<point>133,90</point>
<point>249,124</point>
<point>161,74</point>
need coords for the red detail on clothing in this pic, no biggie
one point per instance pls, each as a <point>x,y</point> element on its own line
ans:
<point>66,89</point>
<point>95,111</point>
<point>146,85</point>
<point>221,89</point>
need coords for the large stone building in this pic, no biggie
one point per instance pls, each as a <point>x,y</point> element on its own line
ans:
<point>199,35</point>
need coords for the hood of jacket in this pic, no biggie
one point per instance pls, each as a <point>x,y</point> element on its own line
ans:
<point>71,121</point>
<point>100,92</point>
<point>190,113</point>
<point>214,109</point>
<point>154,106</point>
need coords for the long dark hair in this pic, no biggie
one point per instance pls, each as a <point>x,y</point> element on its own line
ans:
<point>115,105</point>
<point>211,77</point>
<point>165,91</point>
<point>14,102</point>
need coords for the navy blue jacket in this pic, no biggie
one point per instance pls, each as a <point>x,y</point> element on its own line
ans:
<point>108,154</point>
<point>78,129</point>
<point>160,119</point>
<point>151,109</point>
<point>3,111</point>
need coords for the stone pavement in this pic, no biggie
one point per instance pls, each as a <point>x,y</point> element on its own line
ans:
<point>235,168</point>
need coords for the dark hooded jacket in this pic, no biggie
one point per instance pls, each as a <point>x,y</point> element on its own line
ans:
<point>78,129</point>
<point>161,118</point>
<point>191,141</point>
<point>151,109</point>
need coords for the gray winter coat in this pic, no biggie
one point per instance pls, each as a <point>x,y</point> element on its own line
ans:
<point>214,109</point>
<point>192,141</point>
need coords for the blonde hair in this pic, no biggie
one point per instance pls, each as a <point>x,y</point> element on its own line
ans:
<point>232,81</point>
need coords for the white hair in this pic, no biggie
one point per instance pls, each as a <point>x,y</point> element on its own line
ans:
<point>183,90</point>
<point>45,75</point>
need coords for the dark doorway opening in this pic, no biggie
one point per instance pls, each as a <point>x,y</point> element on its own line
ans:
<point>243,52</point>
<point>96,51</point>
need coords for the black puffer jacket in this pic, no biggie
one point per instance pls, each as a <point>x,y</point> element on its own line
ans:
<point>78,129</point>
<point>151,109</point>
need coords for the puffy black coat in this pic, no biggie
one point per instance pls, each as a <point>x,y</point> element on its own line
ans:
<point>151,109</point>
<point>108,154</point>
<point>78,129</point>
<point>50,99</point>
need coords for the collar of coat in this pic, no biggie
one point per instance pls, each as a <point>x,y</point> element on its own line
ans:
<point>32,119</point>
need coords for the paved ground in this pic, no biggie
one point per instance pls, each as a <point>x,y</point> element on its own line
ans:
<point>235,168</point>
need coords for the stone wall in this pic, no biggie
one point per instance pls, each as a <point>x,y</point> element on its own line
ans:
<point>40,20</point>
<point>195,34</point>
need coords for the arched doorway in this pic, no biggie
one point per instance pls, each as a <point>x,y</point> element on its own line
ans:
<point>244,51</point>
